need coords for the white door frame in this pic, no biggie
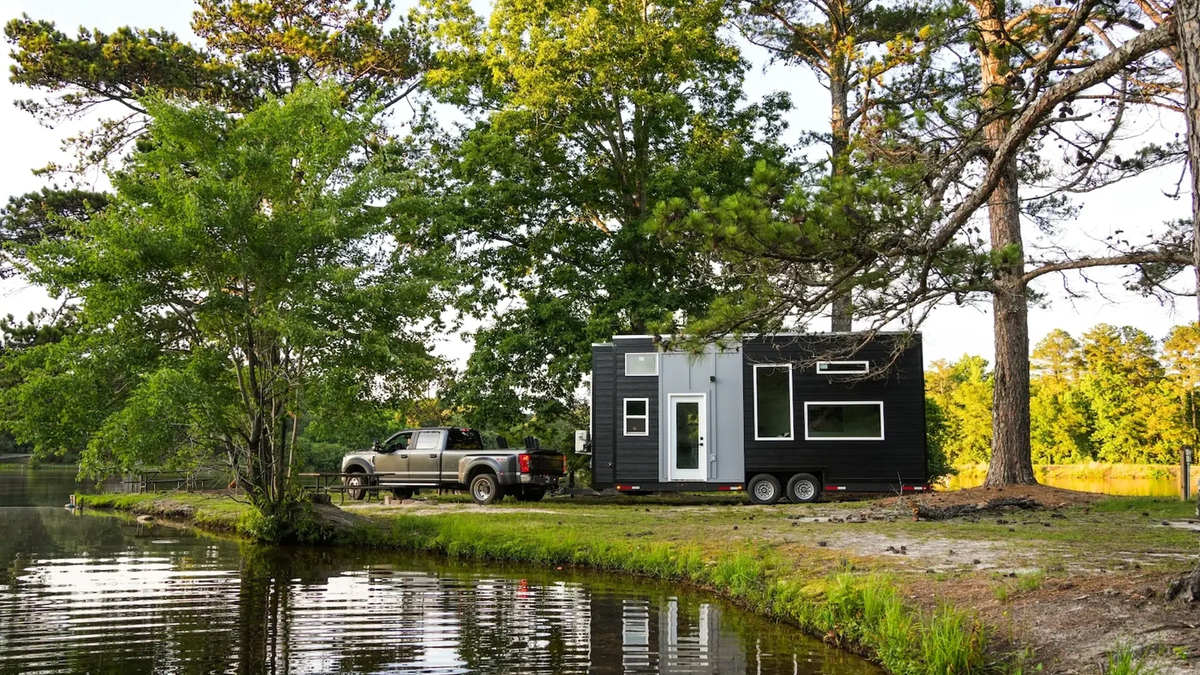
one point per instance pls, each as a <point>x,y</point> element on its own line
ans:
<point>699,474</point>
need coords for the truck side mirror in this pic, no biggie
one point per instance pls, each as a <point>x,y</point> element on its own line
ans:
<point>375,444</point>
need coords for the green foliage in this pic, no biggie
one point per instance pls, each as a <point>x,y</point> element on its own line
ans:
<point>253,51</point>
<point>245,277</point>
<point>936,437</point>
<point>583,116</point>
<point>1107,398</point>
<point>962,395</point>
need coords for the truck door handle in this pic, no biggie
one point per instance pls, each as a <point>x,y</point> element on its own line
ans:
<point>433,455</point>
<point>403,456</point>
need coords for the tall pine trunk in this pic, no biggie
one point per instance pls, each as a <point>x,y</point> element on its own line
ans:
<point>842,309</point>
<point>1187,35</point>
<point>1011,461</point>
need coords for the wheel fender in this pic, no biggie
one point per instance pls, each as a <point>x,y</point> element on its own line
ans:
<point>468,466</point>
<point>359,464</point>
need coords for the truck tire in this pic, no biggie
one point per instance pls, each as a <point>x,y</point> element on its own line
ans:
<point>531,494</point>
<point>485,489</point>
<point>803,488</point>
<point>764,489</point>
<point>357,480</point>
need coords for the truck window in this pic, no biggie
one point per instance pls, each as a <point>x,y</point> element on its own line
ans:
<point>398,442</point>
<point>428,440</point>
<point>464,439</point>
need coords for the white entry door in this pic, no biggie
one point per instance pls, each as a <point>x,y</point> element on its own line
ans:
<point>687,433</point>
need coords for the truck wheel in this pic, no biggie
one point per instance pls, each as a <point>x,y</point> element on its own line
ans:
<point>402,493</point>
<point>764,489</point>
<point>358,480</point>
<point>531,494</point>
<point>485,489</point>
<point>803,488</point>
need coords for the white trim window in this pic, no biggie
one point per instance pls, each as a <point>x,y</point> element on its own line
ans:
<point>641,365</point>
<point>637,416</point>
<point>773,417</point>
<point>843,420</point>
<point>843,367</point>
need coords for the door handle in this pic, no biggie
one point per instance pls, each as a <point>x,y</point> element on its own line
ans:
<point>403,456</point>
<point>433,455</point>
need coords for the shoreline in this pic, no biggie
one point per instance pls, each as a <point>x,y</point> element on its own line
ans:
<point>879,607</point>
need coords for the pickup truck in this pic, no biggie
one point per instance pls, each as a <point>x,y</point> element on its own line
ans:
<point>451,458</point>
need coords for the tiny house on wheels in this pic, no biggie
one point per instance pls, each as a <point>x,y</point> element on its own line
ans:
<point>776,415</point>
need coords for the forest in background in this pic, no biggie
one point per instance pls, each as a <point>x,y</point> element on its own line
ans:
<point>1113,395</point>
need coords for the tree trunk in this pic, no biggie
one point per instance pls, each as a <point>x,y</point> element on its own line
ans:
<point>1187,35</point>
<point>842,309</point>
<point>1011,461</point>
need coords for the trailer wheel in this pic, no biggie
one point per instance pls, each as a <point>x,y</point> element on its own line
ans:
<point>803,488</point>
<point>764,489</point>
<point>485,489</point>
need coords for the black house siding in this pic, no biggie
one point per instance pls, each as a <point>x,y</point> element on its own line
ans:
<point>636,456</point>
<point>899,457</point>
<point>602,414</point>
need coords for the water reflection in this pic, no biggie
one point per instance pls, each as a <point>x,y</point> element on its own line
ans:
<point>100,594</point>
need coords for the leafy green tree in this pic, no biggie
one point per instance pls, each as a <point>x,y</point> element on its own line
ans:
<point>1181,357</point>
<point>962,393</point>
<point>583,115</point>
<point>244,277</point>
<point>1060,420</point>
<point>1123,382</point>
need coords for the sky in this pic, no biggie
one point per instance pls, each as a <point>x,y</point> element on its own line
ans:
<point>950,331</point>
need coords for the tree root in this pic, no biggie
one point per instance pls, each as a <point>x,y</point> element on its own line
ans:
<point>1186,587</point>
<point>926,512</point>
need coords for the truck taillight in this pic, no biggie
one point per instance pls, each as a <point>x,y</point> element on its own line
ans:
<point>564,457</point>
<point>523,460</point>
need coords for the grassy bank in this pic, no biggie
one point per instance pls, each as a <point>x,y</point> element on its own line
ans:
<point>962,596</point>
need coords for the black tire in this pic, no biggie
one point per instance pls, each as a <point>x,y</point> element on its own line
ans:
<point>531,494</point>
<point>764,489</point>
<point>402,493</point>
<point>485,489</point>
<point>358,479</point>
<point>803,488</point>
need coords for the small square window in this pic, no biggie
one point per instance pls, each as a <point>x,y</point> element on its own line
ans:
<point>637,417</point>
<point>641,365</point>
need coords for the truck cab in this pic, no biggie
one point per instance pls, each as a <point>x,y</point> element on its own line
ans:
<point>452,458</point>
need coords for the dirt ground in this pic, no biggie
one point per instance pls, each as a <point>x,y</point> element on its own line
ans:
<point>1064,583</point>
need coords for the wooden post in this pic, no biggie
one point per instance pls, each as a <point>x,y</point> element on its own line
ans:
<point>1185,472</point>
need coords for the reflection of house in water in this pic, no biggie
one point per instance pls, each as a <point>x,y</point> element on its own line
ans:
<point>662,635</point>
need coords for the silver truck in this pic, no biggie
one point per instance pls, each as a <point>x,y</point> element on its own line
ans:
<point>451,458</point>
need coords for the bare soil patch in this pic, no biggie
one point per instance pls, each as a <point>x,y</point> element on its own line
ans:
<point>1071,624</point>
<point>1048,497</point>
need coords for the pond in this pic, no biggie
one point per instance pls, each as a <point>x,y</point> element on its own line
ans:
<point>97,593</point>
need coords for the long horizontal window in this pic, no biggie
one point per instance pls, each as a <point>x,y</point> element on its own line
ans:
<point>843,367</point>
<point>641,365</point>
<point>637,417</point>
<point>773,402</point>
<point>843,421</point>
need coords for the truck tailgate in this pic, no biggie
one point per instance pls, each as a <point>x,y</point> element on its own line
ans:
<point>546,464</point>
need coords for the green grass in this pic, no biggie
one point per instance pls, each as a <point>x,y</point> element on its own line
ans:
<point>210,512</point>
<point>1123,660</point>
